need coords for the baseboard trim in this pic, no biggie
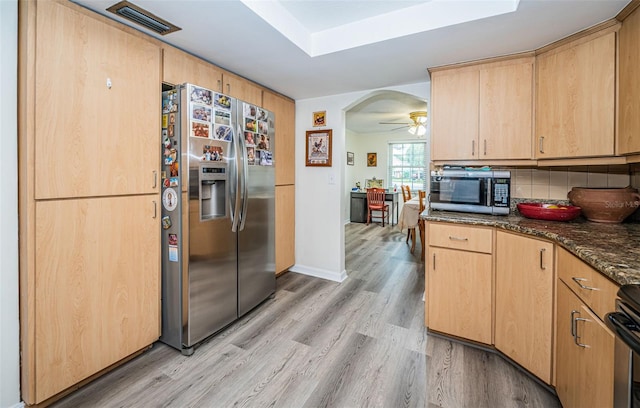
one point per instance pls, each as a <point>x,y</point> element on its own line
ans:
<point>319,273</point>
<point>18,405</point>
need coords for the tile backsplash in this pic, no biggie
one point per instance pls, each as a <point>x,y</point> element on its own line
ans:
<point>555,182</point>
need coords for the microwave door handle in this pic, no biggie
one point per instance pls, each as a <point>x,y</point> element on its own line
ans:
<point>488,192</point>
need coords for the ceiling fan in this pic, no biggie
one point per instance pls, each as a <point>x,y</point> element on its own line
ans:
<point>417,126</point>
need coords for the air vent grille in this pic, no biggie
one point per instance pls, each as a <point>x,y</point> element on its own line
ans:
<point>142,17</point>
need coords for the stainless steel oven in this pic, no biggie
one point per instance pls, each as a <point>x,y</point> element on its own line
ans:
<point>625,323</point>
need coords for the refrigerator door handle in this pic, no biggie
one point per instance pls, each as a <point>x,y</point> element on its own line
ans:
<point>245,187</point>
<point>235,199</point>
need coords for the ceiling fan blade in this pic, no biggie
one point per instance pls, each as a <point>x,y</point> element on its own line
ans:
<point>401,127</point>
<point>393,123</point>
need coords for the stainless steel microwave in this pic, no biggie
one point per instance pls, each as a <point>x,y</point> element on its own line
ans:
<point>476,191</point>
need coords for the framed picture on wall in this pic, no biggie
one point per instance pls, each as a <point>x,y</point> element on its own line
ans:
<point>318,148</point>
<point>350,159</point>
<point>372,159</point>
<point>319,119</point>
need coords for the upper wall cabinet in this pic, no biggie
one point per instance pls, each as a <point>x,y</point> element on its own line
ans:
<point>284,145</point>
<point>483,111</point>
<point>180,67</point>
<point>96,132</point>
<point>242,89</point>
<point>575,110</point>
<point>629,86</point>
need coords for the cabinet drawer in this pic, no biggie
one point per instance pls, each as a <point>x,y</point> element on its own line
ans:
<point>593,288</point>
<point>461,237</point>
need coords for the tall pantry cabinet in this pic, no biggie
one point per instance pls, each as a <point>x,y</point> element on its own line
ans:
<point>89,195</point>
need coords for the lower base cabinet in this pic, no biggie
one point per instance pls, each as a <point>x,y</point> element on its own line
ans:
<point>459,293</point>
<point>285,227</point>
<point>585,354</point>
<point>97,287</point>
<point>525,277</point>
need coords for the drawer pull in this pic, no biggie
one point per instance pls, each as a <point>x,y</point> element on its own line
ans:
<point>576,337</point>
<point>578,280</point>
<point>542,251</point>
<point>451,237</point>
<point>541,144</point>
<point>473,147</point>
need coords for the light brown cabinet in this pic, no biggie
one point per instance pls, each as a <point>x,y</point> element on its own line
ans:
<point>585,354</point>
<point>97,286</point>
<point>284,110</point>
<point>628,85</point>
<point>483,111</point>
<point>241,88</point>
<point>459,282</point>
<point>575,108</point>
<point>179,67</point>
<point>524,301</point>
<point>95,133</point>
<point>89,195</point>
<point>285,227</point>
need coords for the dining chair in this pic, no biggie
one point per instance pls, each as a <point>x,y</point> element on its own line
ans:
<point>406,196</point>
<point>375,202</point>
<point>421,206</point>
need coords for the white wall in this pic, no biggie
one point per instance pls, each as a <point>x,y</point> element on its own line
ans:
<point>9,332</point>
<point>320,205</point>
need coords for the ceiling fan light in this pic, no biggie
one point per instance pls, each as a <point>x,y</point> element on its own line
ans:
<point>413,129</point>
<point>421,130</point>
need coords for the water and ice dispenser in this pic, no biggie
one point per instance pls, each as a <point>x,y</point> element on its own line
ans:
<point>213,190</point>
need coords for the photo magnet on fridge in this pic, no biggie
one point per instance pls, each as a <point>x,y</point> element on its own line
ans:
<point>173,253</point>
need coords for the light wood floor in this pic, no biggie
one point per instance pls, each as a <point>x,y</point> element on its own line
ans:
<point>361,343</point>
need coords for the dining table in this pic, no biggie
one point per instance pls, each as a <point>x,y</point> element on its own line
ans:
<point>409,217</point>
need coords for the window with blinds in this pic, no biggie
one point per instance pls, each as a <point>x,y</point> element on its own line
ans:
<point>408,165</point>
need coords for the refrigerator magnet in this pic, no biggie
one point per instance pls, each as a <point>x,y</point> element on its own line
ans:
<point>166,222</point>
<point>201,112</point>
<point>201,95</point>
<point>200,129</point>
<point>166,182</point>
<point>173,182</point>
<point>171,131</point>
<point>172,118</point>
<point>173,239</point>
<point>222,101</point>
<point>169,199</point>
<point>165,133</point>
<point>173,253</point>
<point>222,118</point>
<point>249,111</point>
<point>165,120</point>
<point>223,132</point>
<point>173,169</point>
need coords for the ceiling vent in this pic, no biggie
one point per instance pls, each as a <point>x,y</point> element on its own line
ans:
<point>142,17</point>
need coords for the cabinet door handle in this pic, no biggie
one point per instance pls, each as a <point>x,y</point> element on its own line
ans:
<point>451,237</point>
<point>541,144</point>
<point>576,337</point>
<point>434,262</point>
<point>155,178</point>
<point>220,85</point>
<point>473,147</point>
<point>573,324</point>
<point>155,209</point>
<point>485,147</point>
<point>542,251</point>
<point>228,88</point>
<point>578,280</point>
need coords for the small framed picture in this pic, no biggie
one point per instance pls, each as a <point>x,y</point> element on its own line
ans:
<point>319,119</point>
<point>350,159</point>
<point>372,159</point>
<point>318,148</point>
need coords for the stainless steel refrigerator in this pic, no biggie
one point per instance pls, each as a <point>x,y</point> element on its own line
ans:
<point>218,212</point>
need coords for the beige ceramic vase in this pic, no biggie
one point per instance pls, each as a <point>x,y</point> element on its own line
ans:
<point>611,205</point>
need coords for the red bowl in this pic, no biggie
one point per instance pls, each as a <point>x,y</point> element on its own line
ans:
<point>558,212</point>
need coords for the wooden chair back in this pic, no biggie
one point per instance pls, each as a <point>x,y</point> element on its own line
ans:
<point>375,198</point>
<point>421,198</point>
<point>406,193</point>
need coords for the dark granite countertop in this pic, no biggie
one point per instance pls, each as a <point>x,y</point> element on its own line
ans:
<point>612,249</point>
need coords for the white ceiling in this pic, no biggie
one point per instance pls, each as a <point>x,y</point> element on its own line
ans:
<point>312,48</point>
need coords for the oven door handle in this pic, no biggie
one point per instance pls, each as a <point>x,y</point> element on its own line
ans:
<point>620,324</point>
